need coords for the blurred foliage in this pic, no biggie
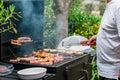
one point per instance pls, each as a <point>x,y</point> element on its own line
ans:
<point>7,15</point>
<point>95,75</point>
<point>49,27</point>
<point>102,7</point>
<point>88,8</point>
<point>84,24</point>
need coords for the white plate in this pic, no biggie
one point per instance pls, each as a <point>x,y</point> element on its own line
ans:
<point>5,68</point>
<point>32,73</point>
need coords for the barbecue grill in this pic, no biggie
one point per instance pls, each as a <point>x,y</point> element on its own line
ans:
<point>76,68</point>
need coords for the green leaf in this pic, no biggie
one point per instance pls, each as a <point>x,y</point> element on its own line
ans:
<point>12,8</point>
<point>7,15</point>
<point>15,30</point>
<point>1,3</point>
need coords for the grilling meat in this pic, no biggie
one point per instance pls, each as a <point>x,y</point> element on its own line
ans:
<point>46,57</point>
<point>40,57</point>
<point>20,40</point>
<point>24,39</point>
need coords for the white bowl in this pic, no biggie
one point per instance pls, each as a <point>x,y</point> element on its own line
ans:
<point>32,73</point>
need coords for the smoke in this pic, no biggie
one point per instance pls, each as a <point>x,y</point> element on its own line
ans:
<point>32,23</point>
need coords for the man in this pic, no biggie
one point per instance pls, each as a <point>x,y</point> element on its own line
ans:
<point>107,42</point>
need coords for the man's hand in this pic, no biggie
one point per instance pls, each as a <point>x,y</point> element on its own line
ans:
<point>91,41</point>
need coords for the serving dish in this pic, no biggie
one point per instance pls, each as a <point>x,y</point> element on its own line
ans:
<point>5,68</point>
<point>32,73</point>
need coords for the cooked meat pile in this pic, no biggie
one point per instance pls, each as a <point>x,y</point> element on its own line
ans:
<point>41,57</point>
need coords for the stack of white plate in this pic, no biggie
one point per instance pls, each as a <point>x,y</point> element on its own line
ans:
<point>5,68</point>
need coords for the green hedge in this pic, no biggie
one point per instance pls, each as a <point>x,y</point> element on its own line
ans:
<point>82,23</point>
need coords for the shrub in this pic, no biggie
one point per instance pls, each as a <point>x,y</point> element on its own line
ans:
<point>82,23</point>
<point>7,17</point>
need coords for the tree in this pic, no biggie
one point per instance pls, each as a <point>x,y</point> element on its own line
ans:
<point>61,9</point>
